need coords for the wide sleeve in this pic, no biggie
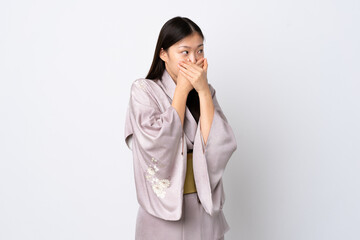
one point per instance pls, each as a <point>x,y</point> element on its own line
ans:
<point>156,140</point>
<point>211,159</point>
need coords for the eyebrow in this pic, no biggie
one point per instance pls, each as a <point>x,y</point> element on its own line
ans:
<point>190,47</point>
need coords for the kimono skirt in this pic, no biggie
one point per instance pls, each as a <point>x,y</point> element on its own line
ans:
<point>194,224</point>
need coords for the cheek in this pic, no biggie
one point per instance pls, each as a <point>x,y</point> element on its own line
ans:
<point>181,58</point>
<point>175,66</point>
<point>178,61</point>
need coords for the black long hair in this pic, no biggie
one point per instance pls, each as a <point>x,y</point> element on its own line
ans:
<point>173,31</point>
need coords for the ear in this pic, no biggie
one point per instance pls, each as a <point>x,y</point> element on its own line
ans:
<point>163,55</point>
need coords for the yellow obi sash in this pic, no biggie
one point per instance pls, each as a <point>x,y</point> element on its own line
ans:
<point>189,185</point>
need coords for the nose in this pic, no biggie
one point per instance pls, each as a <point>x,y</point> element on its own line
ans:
<point>192,59</point>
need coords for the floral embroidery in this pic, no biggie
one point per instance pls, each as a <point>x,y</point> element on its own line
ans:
<point>140,83</point>
<point>159,186</point>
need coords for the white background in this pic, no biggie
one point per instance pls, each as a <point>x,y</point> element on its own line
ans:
<point>287,78</point>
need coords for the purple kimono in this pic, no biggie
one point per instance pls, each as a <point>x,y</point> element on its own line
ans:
<point>154,133</point>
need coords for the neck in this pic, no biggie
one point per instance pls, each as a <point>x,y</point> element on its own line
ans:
<point>174,78</point>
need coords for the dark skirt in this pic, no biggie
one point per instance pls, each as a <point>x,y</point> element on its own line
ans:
<point>195,224</point>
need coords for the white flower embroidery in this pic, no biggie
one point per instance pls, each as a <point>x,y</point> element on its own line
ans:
<point>151,171</point>
<point>140,83</point>
<point>159,186</point>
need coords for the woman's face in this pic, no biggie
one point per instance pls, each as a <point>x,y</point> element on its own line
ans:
<point>190,47</point>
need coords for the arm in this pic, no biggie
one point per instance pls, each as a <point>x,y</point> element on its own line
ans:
<point>206,112</point>
<point>210,159</point>
<point>159,166</point>
<point>179,102</point>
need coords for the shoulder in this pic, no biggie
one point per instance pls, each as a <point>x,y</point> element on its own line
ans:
<point>140,84</point>
<point>143,84</point>
<point>144,91</point>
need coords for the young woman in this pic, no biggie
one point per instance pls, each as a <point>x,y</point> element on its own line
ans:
<point>181,141</point>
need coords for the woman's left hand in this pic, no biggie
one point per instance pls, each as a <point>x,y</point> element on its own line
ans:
<point>195,74</point>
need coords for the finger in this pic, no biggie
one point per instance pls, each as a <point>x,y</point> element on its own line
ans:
<point>195,66</point>
<point>188,66</point>
<point>189,78</point>
<point>182,74</point>
<point>201,65</point>
<point>191,67</point>
<point>186,72</point>
<point>200,61</point>
<point>205,67</point>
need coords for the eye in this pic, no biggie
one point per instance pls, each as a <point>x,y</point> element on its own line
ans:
<point>201,50</point>
<point>184,51</point>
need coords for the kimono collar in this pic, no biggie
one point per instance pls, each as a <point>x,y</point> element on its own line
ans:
<point>168,83</point>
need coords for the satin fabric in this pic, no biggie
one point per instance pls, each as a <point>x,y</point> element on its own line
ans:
<point>159,143</point>
<point>195,224</point>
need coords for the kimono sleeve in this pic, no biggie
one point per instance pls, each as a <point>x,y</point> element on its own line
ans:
<point>211,159</point>
<point>156,143</point>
